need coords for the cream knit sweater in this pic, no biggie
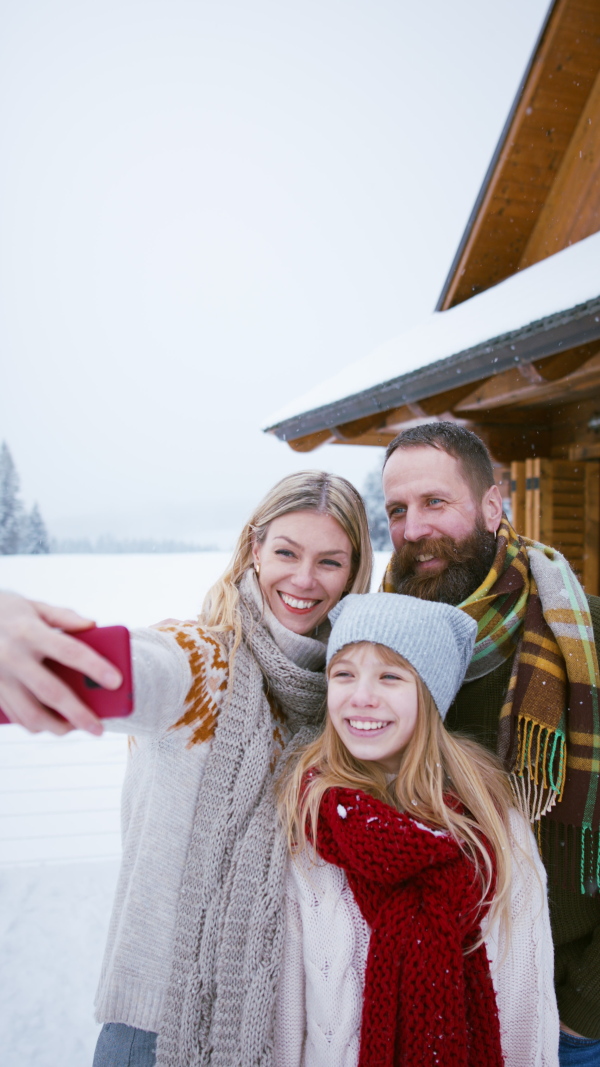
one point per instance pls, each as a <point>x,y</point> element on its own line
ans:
<point>319,1005</point>
<point>180,678</point>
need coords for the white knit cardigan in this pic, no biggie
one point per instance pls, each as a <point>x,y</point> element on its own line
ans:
<point>180,678</point>
<point>319,1006</point>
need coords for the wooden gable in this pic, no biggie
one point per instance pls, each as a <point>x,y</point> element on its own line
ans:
<point>542,190</point>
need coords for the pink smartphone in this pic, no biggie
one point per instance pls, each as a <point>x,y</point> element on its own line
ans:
<point>113,643</point>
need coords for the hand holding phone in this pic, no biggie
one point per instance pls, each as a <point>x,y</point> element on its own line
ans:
<point>112,642</point>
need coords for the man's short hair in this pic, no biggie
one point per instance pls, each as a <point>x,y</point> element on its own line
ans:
<point>463,444</point>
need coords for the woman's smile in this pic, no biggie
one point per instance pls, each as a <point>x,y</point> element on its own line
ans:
<point>299,607</point>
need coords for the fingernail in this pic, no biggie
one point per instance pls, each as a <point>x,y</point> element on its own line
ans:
<point>96,728</point>
<point>111,679</point>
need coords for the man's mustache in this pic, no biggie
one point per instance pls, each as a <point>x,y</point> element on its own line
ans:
<point>444,548</point>
<point>467,563</point>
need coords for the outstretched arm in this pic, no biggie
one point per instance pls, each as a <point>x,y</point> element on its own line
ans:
<point>30,694</point>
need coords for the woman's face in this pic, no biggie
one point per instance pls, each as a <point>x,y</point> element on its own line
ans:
<point>304,567</point>
<point>373,705</point>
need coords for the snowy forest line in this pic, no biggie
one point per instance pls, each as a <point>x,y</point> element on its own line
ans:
<point>21,531</point>
<point>24,532</point>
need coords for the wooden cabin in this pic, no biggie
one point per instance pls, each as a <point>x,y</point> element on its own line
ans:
<point>513,348</point>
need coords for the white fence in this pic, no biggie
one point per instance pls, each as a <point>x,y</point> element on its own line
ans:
<point>59,797</point>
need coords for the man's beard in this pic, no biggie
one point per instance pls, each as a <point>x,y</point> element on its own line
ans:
<point>468,563</point>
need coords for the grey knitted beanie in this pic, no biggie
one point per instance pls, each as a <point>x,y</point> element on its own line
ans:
<point>436,639</point>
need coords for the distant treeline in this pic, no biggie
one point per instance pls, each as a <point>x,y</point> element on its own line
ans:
<point>24,532</point>
<point>21,531</point>
<point>110,545</point>
<point>376,514</point>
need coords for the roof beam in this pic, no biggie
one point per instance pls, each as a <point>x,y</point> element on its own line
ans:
<point>310,441</point>
<point>558,366</point>
<point>514,388</point>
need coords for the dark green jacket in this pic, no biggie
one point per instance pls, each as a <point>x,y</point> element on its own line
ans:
<point>575,917</point>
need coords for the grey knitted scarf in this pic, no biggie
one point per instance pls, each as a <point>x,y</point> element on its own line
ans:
<point>229,934</point>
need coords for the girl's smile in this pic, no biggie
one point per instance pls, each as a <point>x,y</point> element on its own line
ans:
<point>360,725</point>
<point>372,704</point>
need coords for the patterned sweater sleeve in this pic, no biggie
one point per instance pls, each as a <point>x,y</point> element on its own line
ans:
<point>179,675</point>
<point>522,972</point>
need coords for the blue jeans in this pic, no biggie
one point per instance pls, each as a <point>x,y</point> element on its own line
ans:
<point>578,1051</point>
<point>124,1046</point>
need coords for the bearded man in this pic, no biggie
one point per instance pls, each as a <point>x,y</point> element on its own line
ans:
<point>531,692</point>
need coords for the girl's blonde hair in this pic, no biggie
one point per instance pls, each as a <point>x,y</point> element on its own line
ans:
<point>434,765</point>
<point>326,494</point>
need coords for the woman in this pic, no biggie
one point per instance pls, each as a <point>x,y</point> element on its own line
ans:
<point>417,927</point>
<point>196,936</point>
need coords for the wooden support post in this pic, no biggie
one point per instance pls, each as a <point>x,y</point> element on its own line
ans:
<point>529,502</point>
<point>545,491</point>
<point>517,495</point>
<point>536,499</point>
<point>539,500</point>
<point>591,528</point>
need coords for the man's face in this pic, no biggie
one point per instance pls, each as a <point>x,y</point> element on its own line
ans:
<point>444,540</point>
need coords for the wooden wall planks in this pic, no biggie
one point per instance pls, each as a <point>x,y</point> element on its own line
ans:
<point>557,502</point>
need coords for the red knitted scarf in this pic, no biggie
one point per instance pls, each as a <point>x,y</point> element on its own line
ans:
<point>426,1004</point>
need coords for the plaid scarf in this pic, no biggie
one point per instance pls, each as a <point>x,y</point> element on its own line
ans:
<point>532,606</point>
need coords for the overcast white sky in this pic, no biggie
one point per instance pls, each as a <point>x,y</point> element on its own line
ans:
<point>208,206</point>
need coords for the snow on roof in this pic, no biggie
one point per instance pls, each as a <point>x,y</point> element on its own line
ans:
<point>563,281</point>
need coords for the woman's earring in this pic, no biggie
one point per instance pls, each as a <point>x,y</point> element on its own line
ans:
<point>257,568</point>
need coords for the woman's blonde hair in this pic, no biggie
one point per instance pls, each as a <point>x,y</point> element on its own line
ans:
<point>326,494</point>
<point>435,765</point>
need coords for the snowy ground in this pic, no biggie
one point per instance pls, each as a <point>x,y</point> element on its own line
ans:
<point>59,813</point>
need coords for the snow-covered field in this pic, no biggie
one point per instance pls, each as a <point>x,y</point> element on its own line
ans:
<point>59,812</point>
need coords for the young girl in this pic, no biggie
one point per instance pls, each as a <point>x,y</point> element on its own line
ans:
<point>417,929</point>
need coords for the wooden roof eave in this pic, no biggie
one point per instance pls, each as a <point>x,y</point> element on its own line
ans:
<point>363,417</point>
<point>546,158</point>
<point>489,174</point>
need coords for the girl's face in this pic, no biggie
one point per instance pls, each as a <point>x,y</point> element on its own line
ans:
<point>373,705</point>
<point>304,563</point>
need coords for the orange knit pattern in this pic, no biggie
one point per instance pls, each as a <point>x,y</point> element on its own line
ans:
<point>210,674</point>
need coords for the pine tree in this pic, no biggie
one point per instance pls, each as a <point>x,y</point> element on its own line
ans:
<point>376,513</point>
<point>34,538</point>
<point>11,509</point>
